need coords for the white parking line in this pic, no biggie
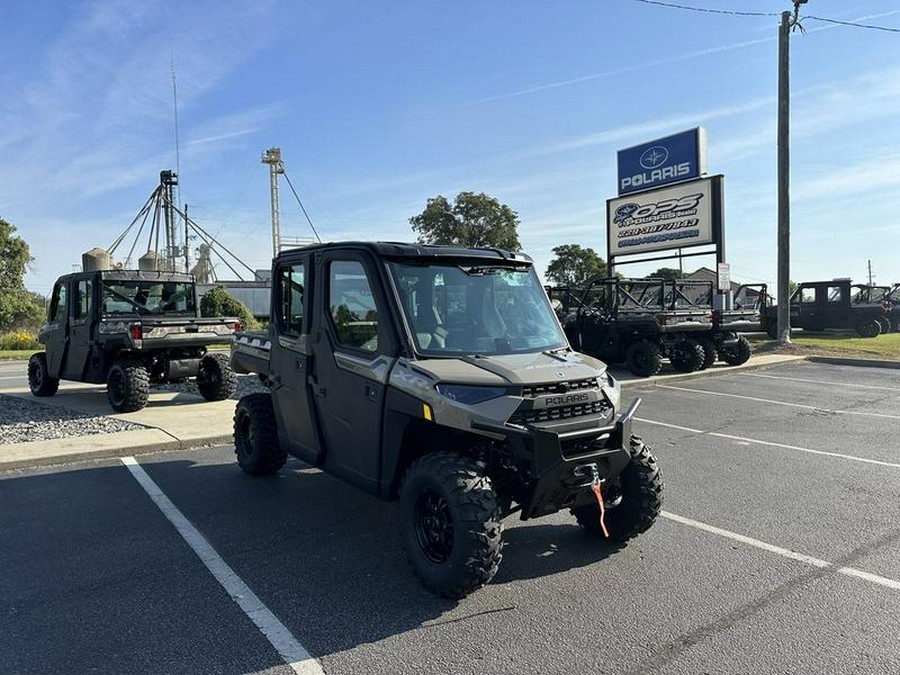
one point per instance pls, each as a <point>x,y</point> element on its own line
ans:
<point>786,553</point>
<point>294,654</point>
<point>782,403</point>
<point>783,446</point>
<point>830,384</point>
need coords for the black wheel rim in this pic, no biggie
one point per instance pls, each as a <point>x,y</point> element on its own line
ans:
<point>245,435</point>
<point>37,377</point>
<point>211,375</point>
<point>116,386</point>
<point>434,526</point>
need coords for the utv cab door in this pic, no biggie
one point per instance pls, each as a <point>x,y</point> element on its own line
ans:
<point>56,332</point>
<point>833,306</point>
<point>805,308</point>
<point>353,350</point>
<point>290,359</point>
<point>81,327</point>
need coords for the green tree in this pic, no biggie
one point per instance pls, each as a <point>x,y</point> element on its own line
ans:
<point>666,273</point>
<point>219,302</point>
<point>20,309</point>
<point>573,265</point>
<point>473,220</point>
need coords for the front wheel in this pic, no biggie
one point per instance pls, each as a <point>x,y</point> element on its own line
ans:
<point>216,380</point>
<point>127,386</point>
<point>868,329</point>
<point>633,500</point>
<point>450,523</point>
<point>256,436</point>
<point>39,380</point>
<point>738,353</point>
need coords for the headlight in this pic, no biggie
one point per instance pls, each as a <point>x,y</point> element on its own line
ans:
<point>612,389</point>
<point>469,395</point>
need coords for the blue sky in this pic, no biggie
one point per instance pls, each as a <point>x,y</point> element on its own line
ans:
<point>378,106</point>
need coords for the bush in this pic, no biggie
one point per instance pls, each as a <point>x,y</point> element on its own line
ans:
<point>219,302</point>
<point>19,340</point>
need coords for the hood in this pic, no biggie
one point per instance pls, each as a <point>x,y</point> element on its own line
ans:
<point>519,369</point>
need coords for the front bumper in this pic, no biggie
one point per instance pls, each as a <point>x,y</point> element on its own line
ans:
<point>562,463</point>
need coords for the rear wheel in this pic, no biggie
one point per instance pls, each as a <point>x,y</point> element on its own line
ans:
<point>710,353</point>
<point>450,523</point>
<point>39,379</point>
<point>738,353</point>
<point>216,380</point>
<point>632,501</point>
<point>643,358</point>
<point>686,356</point>
<point>127,386</point>
<point>868,329</point>
<point>256,436</point>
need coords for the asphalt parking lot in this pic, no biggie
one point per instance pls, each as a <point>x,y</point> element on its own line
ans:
<point>778,552</point>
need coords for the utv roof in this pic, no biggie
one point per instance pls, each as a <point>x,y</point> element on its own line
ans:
<point>146,275</point>
<point>133,275</point>
<point>405,251</point>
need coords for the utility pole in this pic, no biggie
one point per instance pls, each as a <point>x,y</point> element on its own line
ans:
<point>272,157</point>
<point>784,168</point>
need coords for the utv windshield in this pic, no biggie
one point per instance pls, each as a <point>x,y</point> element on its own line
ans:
<point>476,309</point>
<point>143,297</point>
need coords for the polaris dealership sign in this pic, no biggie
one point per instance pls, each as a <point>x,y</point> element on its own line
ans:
<point>666,160</point>
<point>678,216</point>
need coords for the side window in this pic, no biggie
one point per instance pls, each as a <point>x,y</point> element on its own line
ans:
<point>352,305</point>
<point>834,294</point>
<point>808,295</point>
<point>291,283</point>
<point>81,308</point>
<point>58,303</point>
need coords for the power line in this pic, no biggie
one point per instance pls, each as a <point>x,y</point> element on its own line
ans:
<point>707,10</point>
<point>853,24</point>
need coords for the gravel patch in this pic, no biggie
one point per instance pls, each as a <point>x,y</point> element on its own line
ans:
<point>22,420</point>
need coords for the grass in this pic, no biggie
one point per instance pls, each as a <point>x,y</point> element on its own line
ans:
<point>835,343</point>
<point>21,354</point>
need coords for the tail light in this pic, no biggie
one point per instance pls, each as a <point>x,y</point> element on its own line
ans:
<point>137,332</point>
<point>238,327</point>
<point>661,319</point>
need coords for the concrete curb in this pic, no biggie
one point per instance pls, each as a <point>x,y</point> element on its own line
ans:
<point>67,451</point>
<point>845,361</point>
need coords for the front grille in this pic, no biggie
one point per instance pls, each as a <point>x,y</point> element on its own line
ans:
<point>526,417</point>
<point>558,387</point>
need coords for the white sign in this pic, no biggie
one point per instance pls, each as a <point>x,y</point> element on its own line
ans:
<point>724,276</point>
<point>666,218</point>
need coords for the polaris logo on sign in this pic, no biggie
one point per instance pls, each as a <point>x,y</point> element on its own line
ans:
<point>666,160</point>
